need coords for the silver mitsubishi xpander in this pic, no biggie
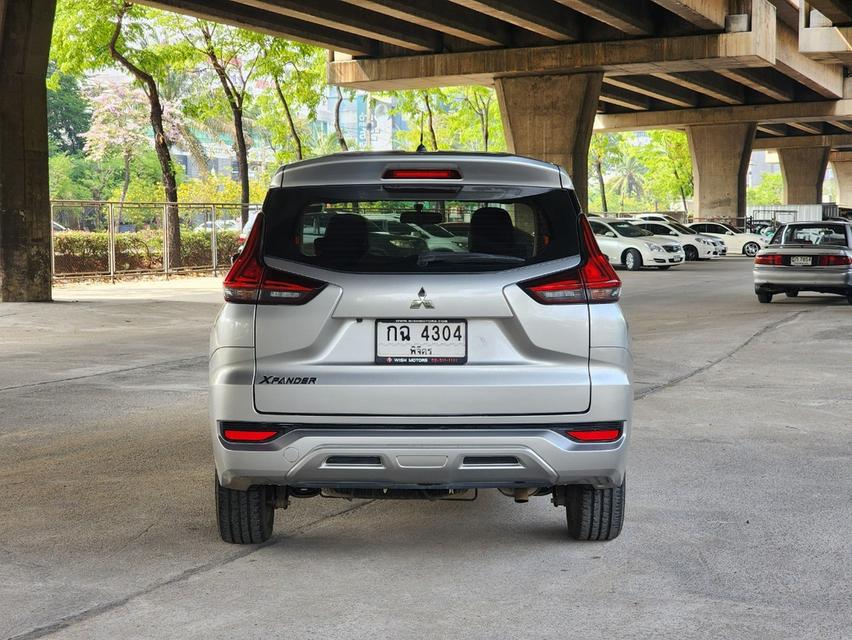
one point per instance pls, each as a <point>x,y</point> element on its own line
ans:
<point>420,325</point>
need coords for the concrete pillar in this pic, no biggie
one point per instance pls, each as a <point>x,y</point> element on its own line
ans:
<point>720,157</point>
<point>25,29</point>
<point>804,171</point>
<point>551,118</point>
<point>842,163</point>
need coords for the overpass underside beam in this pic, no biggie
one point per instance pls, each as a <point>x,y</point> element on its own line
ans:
<point>25,29</point>
<point>557,125</point>
<point>803,170</point>
<point>646,56</point>
<point>720,159</point>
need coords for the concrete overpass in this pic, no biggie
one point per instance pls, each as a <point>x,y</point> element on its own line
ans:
<point>733,73</point>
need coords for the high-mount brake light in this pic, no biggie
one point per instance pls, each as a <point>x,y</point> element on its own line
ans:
<point>421,174</point>
<point>594,282</point>
<point>250,282</point>
<point>598,433</point>
<point>248,434</point>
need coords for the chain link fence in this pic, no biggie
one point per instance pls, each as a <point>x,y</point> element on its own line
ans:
<point>110,239</point>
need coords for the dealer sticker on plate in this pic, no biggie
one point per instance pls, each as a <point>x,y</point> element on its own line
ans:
<point>421,341</point>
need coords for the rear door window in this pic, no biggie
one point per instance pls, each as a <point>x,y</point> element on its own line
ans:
<point>367,229</point>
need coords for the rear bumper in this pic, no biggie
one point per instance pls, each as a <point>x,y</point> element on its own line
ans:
<point>421,451</point>
<point>437,459</point>
<point>804,278</point>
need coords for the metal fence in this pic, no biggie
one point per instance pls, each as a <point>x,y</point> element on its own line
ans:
<point>110,239</point>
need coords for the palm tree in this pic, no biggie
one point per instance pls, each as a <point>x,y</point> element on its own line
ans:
<point>629,177</point>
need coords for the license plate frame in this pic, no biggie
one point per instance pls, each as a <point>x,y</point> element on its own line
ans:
<point>801,261</point>
<point>391,359</point>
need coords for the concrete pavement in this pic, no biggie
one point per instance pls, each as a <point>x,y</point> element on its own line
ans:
<point>738,505</point>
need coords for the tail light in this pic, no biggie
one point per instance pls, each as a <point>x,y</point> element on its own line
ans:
<point>774,259</point>
<point>834,261</point>
<point>251,282</point>
<point>594,282</point>
<point>596,433</point>
<point>249,434</point>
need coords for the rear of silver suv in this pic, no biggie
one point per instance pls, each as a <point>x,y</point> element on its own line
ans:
<point>352,360</point>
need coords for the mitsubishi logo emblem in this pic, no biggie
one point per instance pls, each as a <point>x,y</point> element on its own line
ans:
<point>422,302</point>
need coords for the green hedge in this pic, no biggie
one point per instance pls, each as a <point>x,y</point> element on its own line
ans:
<point>88,251</point>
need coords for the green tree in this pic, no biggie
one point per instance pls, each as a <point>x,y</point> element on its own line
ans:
<point>67,112</point>
<point>669,167</point>
<point>603,152</point>
<point>770,190</point>
<point>423,110</point>
<point>470,119</point>
<point>233,55</point>
<point>90,35</point>
<point>297,73</point>
<point>629,174</point>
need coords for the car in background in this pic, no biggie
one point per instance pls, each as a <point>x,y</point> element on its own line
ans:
<point>738,241</point>
<point>806,256</point>
<point>221,225</point>
<point>436,237</point>
<point>460,229</point>
<point>695,246</point>
<point>380,242</point>
<point>626,244</point>
<point>655,217</point>
<point>244,234</point>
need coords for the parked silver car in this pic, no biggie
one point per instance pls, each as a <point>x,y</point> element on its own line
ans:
<point>339,371</point>
<point>806,256</point>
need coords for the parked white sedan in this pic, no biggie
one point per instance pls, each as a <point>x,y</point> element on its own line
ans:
<point>737,241</point>
<point>624,243</point>
<point>695,246</point>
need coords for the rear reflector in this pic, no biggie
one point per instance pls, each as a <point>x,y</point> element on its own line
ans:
<point>608,433</point>
<point>421,174</point>
<point>249,435</point>
<point>594,282</point>
<point>249,281</point>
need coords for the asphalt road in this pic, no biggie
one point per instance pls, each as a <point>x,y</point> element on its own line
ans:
<point>738,513</point>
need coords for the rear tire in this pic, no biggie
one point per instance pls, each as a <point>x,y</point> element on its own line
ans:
<point>751,249</point>
<point>632,260</point>
<point>791,294</point>
<point>245,517</point>
<point>691,253</point>
<point>763,297</point>
<point>595,514</point>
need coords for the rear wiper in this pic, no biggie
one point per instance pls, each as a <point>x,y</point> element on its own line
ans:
<point>466,258</point>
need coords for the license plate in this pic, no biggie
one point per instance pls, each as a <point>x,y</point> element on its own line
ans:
<point>421,341</point>
<point>801,261</point>
<point>676,259</point>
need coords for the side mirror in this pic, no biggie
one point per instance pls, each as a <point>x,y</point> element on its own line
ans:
<point>730,233</point>
<point>610,234</point>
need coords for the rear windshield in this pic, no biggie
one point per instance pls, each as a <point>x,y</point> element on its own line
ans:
<point>816,234</point>
<point>371,229</point>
